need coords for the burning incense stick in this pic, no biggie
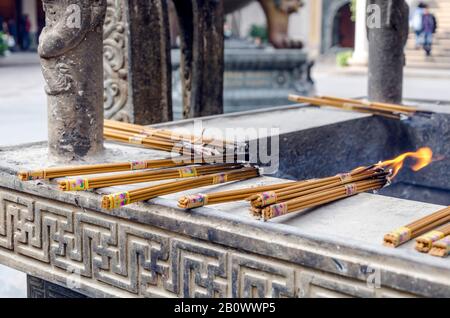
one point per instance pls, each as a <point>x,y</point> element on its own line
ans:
<point>83,184</point>
<point>121,199</point>
<point>320,198</point>
<point>425,242</point>
<point>268,198</point>
<point>199,200</point>
<point>441,248</point>
<point>272,202</point>
<point>411,231</point>
<point>318,192</point>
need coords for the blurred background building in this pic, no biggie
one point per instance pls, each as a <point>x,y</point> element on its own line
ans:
<point>328,27</point>
<point>22,19</point>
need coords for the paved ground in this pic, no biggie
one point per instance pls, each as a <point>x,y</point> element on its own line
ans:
<point>347,82</point>
<point>12,283</point>
<point>22,105</point>
<point>22,100</point>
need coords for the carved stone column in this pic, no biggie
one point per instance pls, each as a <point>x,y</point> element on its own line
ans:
<point>149,61</point>
<point>71,51</point>
<point>115,63</point>
<point>202,61</point>
<point>138,81</point>
<point>388,32</point>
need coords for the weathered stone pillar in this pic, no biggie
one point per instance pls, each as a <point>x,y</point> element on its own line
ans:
<point>149,61</point>
<point>388,33</point>
<point>71,51</point>
<point>138,83</point>
<point>202,56</point>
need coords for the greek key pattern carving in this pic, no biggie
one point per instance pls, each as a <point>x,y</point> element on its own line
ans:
<point>255,279</point>
<point>137,260</point>
<point>115,62</point>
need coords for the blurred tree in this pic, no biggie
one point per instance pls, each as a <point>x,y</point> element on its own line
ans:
<point>259,33</point>
<point>3,44</point>
<point>353,8</point>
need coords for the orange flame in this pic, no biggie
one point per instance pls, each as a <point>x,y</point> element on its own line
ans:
<point>423,157</point>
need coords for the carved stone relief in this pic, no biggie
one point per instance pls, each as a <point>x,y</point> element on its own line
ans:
<point>115,62</point>
<point>80,248</point>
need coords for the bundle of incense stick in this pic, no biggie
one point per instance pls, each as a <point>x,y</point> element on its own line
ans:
<point>441,248</point>
<point>146,141</point>
<point>121,199</point>
<point>318,198</point>
<point>163,134</point>
<point>200,199</point>
<point>162,139</point>
<point>268,205</point>
<point>303,188</point>
<point>425,242</point>
<point>83,184</point>
<point>380,109</point>
<point>60,172</point>
<point>411,231</point>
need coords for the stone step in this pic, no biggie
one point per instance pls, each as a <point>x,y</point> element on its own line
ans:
<point>437,43</point>
<point>437,52</point>
<point>440,8</point>
<point>440,35</point>
<point>443,42</point>
<point>428,59</point>
<point>440,5</point>
<point>443,24</point>
<point>442,16</point>
<point>440,66</point>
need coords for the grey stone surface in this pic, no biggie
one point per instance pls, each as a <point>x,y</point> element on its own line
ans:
<point>298,252</point>
<point>342,239</point>
<point>388,33</point>
<point>300,117</point>
<point>324,142</point>
<point>72,64</point>
<point>417,193</point>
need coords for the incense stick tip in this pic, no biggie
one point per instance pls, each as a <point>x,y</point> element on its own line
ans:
<point>397,237</point>
<point>441,248</point>
<point>439,252</point>
<point>23,176</point>
<point>425,242</point>
<point>31,175</point>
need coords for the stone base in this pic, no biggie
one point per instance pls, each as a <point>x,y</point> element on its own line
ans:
<point>256,78</point>
<point>39,288</point>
